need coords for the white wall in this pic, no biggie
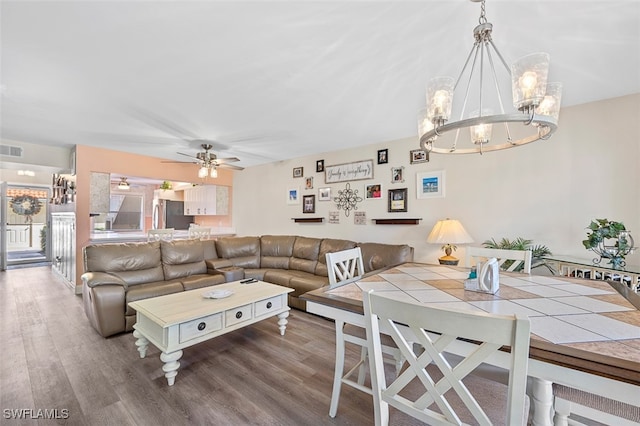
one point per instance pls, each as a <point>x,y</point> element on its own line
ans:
<point>547,191</point>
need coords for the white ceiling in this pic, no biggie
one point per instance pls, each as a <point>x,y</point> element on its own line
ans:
<point>276,80</point>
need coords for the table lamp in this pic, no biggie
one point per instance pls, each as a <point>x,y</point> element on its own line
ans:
<point>448,232</point>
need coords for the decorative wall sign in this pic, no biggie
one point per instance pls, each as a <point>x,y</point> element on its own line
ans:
<point>347,199</point>
<point>398,200</point>
<point>334,217</point>
<point>430,184</point>
<point>293,196</point>
<point>418,156</point>
<point>359,218</point>
<point>350,171</point>
<point>397,174</point>
<point>309,204</point>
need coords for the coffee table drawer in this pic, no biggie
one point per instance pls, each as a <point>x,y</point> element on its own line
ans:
<point>200,327</point>
<point>237,315</point>
<point>268,305</point>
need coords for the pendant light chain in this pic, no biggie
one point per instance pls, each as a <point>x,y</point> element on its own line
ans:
<point>483,18</point>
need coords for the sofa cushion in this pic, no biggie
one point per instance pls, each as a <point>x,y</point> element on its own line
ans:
<point>241,251</point>
<point>378,256</point>
<point>145,291</point>
<point>201,280</point>
<point>329,245</point>
<point>305,283</point>
<point>182,258</point>
<point>305,254</point>
<point>133,263</point>
<point>276,251</point>
<point>282,276</point>
<point>209,249</point>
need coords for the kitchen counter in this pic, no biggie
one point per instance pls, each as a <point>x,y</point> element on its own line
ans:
<point>97,237</point>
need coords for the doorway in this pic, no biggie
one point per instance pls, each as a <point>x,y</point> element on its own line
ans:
<point>26,233</point>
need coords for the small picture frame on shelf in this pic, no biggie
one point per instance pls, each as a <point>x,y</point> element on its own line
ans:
<point>383,156</point>
<point>319,166</point>
<point>297,172</point>
<point>397,174</point>
<point>309,204</point>
<point>397,200</point>
<point>418,156</point>
<point>324,194</point>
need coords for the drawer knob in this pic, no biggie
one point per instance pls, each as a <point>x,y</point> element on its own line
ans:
<point>202,326</point>
<point>239,314</point>
<point>269,305</point>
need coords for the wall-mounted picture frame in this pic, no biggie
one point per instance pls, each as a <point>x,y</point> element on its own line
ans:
<point>383,156</point>
<point>297,172</point>
<point>418,156</point>
<point>397,174</point>
<point>397,200</point>
<point>319,166</point>
<point>373,191</point>
<point>430,184</point>
<point>309,204</point>
<point>293,195</point>
<point>308,183</point>
<point>324,194</point>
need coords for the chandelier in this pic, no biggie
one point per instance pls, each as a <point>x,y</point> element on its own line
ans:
<point>207,169</point>
<point>536,103</point>
<point>123,184</point>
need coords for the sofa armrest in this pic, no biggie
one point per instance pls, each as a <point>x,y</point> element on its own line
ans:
<point>213,264</point>
<point>92,279</point>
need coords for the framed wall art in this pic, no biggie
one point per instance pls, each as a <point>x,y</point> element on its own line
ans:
<point>397,174</point>
<point>293,196</point>
<point>383,156</point>
<point>309,204</point>
<point>430,184</point>
<point>398,200</point>
<point>308,183</point>
<point>418,156</point>
<point>324,194</point>
<point>373,191</point>
<point>297,172</point>
<point>319,166</point>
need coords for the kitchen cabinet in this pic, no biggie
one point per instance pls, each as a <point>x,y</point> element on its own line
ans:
<point>206,200</point>
<point>168,194</point>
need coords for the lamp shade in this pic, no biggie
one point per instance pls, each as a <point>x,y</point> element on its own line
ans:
<point>449,231</point>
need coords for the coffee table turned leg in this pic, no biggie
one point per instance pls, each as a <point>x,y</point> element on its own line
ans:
<point>282,322</point>
<point>142,343</point>
<point>171,365</point>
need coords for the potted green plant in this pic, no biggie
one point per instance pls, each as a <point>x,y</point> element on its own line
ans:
<point>538,252</point>
<point>601,233</point>
<point>166,185</point>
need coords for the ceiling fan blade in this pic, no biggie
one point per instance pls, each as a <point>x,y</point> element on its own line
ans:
<point>187,155</point>
<point>180,162</point>
<point>227,160</point>
<point>230,166</point>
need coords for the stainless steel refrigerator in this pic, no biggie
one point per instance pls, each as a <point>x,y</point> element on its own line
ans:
<point>170,214</point>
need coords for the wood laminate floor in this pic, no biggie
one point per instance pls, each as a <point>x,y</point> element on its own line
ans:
<point>53,360</point>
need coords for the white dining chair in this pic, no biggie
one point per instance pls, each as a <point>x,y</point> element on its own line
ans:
<point>568,401</point>
<point>436,330</point>
<point>199,232</point>
<point>160,234</point>
<point>516,258</point>
<point>344,267</point>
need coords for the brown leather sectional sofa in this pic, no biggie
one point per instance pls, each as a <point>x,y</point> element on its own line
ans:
<point>119,273</point>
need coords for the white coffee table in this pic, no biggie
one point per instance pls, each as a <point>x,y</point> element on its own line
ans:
<point>177,321</point>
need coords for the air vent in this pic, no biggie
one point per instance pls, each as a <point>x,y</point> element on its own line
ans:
<point>11,151</point>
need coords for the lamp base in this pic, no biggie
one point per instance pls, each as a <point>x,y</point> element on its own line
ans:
<point>448,260</point>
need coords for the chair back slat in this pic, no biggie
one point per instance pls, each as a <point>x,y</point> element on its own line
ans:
<point>344,266</point>
<point>512,258</point>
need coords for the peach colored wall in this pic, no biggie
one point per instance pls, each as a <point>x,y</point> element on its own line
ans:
<point>91,159</point>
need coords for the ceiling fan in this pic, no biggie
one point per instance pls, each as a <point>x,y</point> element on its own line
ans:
<point>209,162</point>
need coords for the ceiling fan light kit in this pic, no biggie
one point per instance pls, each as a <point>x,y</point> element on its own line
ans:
<point>536,102</point>
<point>208,162</point>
